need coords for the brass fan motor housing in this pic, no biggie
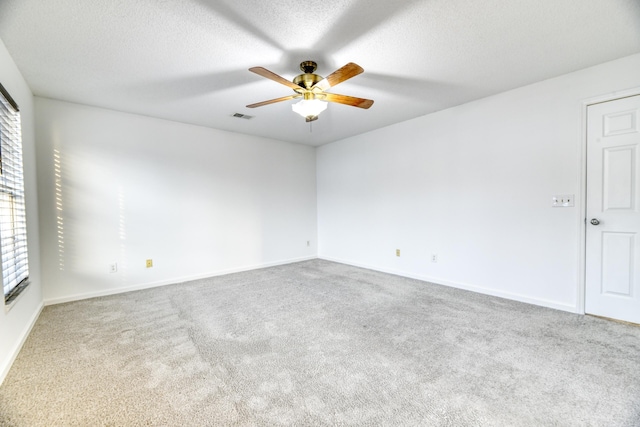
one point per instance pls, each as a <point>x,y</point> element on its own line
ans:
<point>307,80</point>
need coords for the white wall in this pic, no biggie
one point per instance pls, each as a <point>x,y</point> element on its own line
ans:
<point>197,201</point>
<point>472,184</point>
<point>16,323</point>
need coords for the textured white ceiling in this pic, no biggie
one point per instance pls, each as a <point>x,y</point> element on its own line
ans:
<point>187,60</point>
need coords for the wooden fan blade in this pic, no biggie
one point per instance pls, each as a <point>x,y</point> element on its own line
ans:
<point>273,101</point>
<point>273,76</point>
<point>338,76</point>
<point>347,100</point>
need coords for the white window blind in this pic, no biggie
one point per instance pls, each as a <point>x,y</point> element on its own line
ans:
<point>13,224</point>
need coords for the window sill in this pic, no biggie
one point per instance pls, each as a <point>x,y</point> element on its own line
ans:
<point>12,303</point>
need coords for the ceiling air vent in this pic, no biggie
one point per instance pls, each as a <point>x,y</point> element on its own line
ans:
<point>242,116</point>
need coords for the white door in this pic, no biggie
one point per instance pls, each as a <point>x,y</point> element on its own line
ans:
<point>613,210</point>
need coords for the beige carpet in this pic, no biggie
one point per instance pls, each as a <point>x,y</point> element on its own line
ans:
<point>317,344</point>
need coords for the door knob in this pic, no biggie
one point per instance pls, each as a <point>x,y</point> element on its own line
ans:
<point>594,221</point>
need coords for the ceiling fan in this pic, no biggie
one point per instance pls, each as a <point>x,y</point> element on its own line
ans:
<point>312,89</point>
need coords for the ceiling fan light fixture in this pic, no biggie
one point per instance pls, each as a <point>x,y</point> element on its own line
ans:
<point>309,108</point>
<point>312,89</point>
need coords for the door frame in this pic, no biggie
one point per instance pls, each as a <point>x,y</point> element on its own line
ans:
<point>582,264</point>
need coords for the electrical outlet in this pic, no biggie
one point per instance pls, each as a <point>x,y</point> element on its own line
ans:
<point>113,268</point>
<point>397,252</point>
<point>149,263</point>
<point>563,201</point>
<point>434,257</point>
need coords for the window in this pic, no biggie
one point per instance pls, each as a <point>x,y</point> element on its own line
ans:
<point>13,224</point>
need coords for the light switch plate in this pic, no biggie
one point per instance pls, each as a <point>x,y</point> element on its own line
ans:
<point>563,201</point>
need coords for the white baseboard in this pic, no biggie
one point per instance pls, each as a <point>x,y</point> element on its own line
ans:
<point>465,286</point>
<point>4,370</point>
<point>172,281</point>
